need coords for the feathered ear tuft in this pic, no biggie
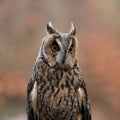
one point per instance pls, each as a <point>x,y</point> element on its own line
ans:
<point>50,29</point>
<point>72,30</point>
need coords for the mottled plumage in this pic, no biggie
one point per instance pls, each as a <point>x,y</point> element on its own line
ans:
<point>56,90</point>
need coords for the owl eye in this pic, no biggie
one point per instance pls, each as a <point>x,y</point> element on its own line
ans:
<point>55,48</point>
<point>71,49</point>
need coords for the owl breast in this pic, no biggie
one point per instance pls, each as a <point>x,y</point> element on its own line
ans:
<point>63,107</point>
<point>57,97</point>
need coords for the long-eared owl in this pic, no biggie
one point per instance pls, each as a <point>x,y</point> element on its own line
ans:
<point>56,90</point>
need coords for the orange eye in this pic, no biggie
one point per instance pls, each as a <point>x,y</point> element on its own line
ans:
<point>55,48</point>
<point>71,49</point>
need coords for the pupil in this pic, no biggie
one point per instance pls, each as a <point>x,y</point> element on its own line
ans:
<point>70,49</point>
<point>55,47</point>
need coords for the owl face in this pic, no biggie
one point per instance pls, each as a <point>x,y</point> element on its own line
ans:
<point>59,49</point>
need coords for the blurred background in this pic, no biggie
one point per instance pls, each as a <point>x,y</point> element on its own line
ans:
<point>22,27</point>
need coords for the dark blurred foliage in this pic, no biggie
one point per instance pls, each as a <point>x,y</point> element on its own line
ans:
<point>22,27</point>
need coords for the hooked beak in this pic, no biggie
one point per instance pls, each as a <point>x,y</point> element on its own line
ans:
<point>63,58</point>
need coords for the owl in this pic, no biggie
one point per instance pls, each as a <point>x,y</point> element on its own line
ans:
<point>56,90</point>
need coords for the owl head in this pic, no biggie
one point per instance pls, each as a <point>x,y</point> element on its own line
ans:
<point>58,49</point>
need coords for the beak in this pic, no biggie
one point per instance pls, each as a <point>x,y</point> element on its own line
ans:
<point>63,58</point>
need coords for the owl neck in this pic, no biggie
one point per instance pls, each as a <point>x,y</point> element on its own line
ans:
<point>57,77</point>
<point>56,66</point>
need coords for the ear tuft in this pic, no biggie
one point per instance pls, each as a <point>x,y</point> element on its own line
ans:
<point>49,28</point>
<point>73,29</point>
